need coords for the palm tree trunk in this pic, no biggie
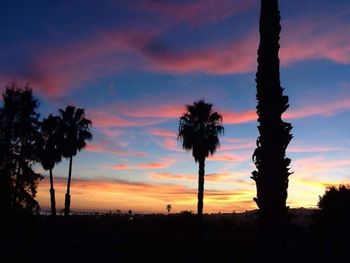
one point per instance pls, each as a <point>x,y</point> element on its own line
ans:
<point>200,187</point>
<point>272,172</point>
<point>67,197</point>
<point>271,176</point>
<point>52,195</point>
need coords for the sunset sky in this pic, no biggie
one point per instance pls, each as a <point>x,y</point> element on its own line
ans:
<point>134,64</point>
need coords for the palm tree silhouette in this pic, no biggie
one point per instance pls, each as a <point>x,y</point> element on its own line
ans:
<point>74,130</point>
<point>199,129</point>
<point>168,208</point>
<point>50,152</point>
<point>271,176</point>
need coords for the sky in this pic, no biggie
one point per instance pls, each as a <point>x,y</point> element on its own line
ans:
<point>134,65</point>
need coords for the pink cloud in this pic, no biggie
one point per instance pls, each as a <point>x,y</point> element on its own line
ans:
<point>312,37</point>
<point>144,166</point>
<point>58,69</point>
<point>167,139</point>
<point>311,149</point>
<point>229,157</point>
<point>154,111</point>
<point>229,144</point>
<point>197,12</point>
<point>102,148</point>
<point>233,56</point>
<point>104,119</point>
<point>230,117</point>
<point>326,109</point>
<point>163,133</point>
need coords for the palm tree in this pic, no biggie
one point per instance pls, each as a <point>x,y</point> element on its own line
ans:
<point>168,208</point>
<point>272,172</point>
<point>74,130</point>
<point>50,152</point>
<point>199,129</point>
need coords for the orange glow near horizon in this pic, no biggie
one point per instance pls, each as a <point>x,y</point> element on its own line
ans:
<point>141,197</point>
<point>106,195</point>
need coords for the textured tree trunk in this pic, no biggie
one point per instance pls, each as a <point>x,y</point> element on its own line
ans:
<point>272,172</point>
<point>200,187</point>
<point>52,195</point>
<point>67,197</point>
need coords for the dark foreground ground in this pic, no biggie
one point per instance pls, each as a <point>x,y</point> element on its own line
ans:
<point>163,238</point>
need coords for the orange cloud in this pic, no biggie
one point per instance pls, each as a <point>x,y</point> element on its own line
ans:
<point>235,178</point>
<point>312,176</point>
<point>142,197</point>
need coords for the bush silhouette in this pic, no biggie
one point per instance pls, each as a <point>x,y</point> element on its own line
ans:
<point>334,205</point>
<point>332,228</point>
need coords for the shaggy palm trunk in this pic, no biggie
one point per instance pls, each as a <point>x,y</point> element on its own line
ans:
<point>200,187</point>
<point>67,197</point>
<point>52,196</point>
<point>272,172</point>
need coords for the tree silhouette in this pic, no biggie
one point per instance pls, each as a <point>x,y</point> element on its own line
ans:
<point>168,208</point>
<point>335,203</point>
<point>199,129</point>
<point>19,151</point>
<point>50,153</point>
<point>74,131</point>
<point>272,172</point>
<point>332,219</point>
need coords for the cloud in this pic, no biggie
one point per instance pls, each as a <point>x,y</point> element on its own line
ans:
<point>144,166</point>
<point>102,148</point>
<point>163,133</point>
<point>56,70</point>
<point>235,178</point>
<point>325,109</point>
<point>311,177</point>
<point>317,36</point>
<point>233,56</point>
<point>230,117</point>
<point>197,12</point>
<point>229,157</point>
<point>166,139</point>
<point>108,118</point>
<point>229,144</point>
<point>311,149</point>
<point>106,194</point>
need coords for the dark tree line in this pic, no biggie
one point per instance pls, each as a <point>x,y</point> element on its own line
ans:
<point>26,141</point>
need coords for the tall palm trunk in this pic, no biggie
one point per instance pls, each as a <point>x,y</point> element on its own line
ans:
<point>52,196</point>
<point>67,197</point>
<point>272,172</point>
<point>200,187</point>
